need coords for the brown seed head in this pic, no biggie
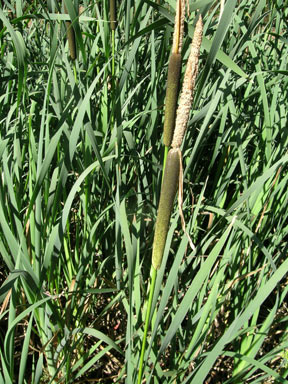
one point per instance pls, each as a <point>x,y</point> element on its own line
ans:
<point>186,97</point>
<point>113,16</point>
<point>70,36</point>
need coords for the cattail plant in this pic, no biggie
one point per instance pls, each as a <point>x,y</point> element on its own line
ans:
<point>173,171</point>
<point>113,20</point>
<point>70,36</point>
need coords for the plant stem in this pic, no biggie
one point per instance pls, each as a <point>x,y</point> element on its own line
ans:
<point>151,294</point>
<point>147,322</point>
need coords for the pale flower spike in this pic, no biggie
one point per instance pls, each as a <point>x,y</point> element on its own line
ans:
<point>186,97</point>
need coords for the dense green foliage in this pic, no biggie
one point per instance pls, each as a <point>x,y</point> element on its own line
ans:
<point>80,174</point>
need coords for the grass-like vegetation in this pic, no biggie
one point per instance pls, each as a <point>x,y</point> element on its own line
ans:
<point>81,158</point>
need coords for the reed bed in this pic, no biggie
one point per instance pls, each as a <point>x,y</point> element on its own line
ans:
<point>82,155</point>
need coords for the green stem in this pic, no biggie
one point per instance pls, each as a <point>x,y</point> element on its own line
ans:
<point>147,322</point>
<point>151,294</point>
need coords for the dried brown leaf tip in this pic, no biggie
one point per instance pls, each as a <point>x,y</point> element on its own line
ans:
<point>186,97</point>
<point>178,26</point>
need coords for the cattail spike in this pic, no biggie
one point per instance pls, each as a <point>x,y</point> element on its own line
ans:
<point>168,192</point>
<point>113,20</point>
<point>70,36</point>
<point>186,97</point>
<point>174,70</point>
